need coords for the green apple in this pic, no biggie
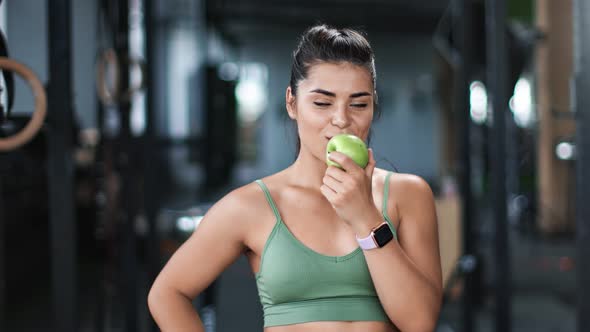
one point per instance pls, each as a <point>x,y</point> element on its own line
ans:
<point>349,145</point>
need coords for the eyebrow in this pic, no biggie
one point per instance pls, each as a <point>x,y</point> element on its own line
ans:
<point>332,94</point>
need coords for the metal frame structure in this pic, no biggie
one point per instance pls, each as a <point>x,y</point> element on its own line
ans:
<point>2,255</point>
<point>150,196</point>
<point>497,76</point>
<point>464,32</point>
<point>242,17</point>
<point>60,168</point>
<point>582,107</point>
<point>126,154</point>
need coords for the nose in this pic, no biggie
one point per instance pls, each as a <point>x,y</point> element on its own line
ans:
<point>341,118</point>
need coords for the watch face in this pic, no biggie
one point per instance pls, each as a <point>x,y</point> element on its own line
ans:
<point>383,235</point>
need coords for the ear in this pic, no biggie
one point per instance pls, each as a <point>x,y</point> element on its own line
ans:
<point>290,103</point>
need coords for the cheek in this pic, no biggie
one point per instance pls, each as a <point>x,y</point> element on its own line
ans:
<point>310,128</point>
<point>364,122</point>
<point>312,121</point>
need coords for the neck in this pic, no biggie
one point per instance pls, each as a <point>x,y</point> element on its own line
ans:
<point>307,171</point>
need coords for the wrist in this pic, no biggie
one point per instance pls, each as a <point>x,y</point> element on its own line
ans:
<point>364,228</point>
<point>378,238</point>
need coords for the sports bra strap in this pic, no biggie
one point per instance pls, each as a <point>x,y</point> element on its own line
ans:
<point>269,199</point>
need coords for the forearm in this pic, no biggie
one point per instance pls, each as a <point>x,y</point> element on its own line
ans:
<point>410,299</point>
<point>173,311</point>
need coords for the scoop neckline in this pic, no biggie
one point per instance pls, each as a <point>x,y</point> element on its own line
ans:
<point>316,253</point>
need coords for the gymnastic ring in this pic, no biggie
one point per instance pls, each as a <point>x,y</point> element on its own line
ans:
<point>28,132</point>
<point>106,96</point>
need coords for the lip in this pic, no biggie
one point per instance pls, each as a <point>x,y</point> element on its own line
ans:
<point>330,136</point>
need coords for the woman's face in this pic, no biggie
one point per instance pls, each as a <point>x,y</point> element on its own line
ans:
<point>335,98</point>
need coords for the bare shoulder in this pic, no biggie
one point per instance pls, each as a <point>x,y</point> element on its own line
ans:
<point>404,182</point>
<point>407,191</point>
<point>410,184</point>
<point>240,206</point>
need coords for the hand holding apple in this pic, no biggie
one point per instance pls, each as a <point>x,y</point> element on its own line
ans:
<point>348,188</point>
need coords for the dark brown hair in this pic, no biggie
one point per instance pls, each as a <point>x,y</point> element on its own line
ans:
<point>325,44</point>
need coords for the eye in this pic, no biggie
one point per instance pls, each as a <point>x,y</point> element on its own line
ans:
<point>321,104</point>
<point>359,105</point>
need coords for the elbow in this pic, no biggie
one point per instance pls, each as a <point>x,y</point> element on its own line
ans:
<point>157,298</point>
<point>419,323</point>
<point>153,300</point>
<point>426,324</point>
<point>427,321</point>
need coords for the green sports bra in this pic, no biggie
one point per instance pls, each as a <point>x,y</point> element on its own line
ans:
<point>297,284</point>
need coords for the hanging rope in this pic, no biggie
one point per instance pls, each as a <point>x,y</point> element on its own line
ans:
<point>109,63</point>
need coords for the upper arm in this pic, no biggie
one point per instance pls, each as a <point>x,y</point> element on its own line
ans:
<point>214,245</point>
<point>418,228</point>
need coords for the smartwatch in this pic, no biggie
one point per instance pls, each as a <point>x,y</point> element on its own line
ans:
<point>379,236</point>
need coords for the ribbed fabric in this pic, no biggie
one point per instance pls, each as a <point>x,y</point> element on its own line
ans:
<point>297,284</point>
<point>336,309</point>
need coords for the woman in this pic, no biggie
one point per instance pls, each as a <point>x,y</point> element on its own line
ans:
<point>333,249</point>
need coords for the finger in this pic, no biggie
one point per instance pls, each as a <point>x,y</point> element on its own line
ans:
<point>333,184</point>
<point>344,161</point>
<point>371,165</point>
<point>337,173</point>
<point>328,193</point>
